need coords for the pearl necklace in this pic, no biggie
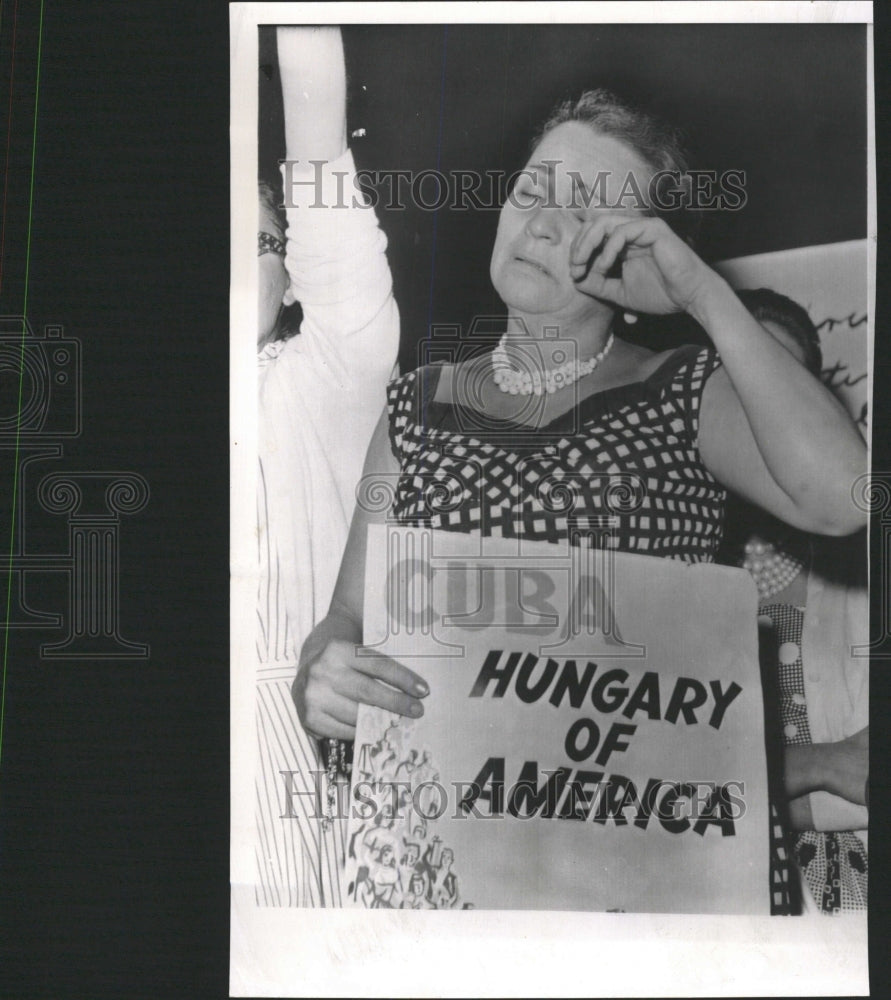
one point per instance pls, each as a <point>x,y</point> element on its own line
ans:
<point>771,570</point>
<point>508,379</point>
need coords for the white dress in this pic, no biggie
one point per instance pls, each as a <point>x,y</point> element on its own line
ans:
<point>321,394</point>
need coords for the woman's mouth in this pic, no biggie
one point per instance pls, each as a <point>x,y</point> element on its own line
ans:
<point>530,262</point>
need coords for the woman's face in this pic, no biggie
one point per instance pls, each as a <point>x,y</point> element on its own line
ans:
<point>573,174</point>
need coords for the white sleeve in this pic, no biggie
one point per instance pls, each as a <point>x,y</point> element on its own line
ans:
<point>338,270</point>
<point>321,395</point>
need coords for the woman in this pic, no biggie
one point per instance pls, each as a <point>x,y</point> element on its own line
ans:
<point>416,897</point>
<point>319,395</point>
<point>443,891</point>
<point>813,611</point>
<point>691,423</point>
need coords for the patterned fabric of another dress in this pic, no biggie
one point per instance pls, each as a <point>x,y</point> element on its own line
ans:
<point>834,865</point>
<point>784,901</point>
<point>628,453</point>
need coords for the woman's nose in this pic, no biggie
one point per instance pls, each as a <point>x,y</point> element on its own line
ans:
<point>544,223</point>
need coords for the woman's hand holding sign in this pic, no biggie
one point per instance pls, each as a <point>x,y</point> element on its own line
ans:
<point>336,675</point>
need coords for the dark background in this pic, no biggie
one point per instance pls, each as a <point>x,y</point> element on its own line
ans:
<point>114,777</point>
<point>786,104</point>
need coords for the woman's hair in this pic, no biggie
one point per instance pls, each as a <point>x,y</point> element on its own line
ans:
<point>768,306</point>
<point>658,144</point>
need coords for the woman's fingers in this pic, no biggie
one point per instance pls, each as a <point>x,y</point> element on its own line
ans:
<point>614,245</point>
<point>391,671</point>
<point>613,233</point>
<point>331,728</point>
<point>342,710</point>
<point>329,690</point>
<point>366,690</point>
<point>633,237</point>
<point>602,287</point>
<point>323,712</point>
<point>587,240</point>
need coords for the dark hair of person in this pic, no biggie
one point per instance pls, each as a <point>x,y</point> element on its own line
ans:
<point>658,144</point>
<point>659,333</point>
<point>768,306</point>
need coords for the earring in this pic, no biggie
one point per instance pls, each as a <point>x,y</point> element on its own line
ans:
<point>630,318</point>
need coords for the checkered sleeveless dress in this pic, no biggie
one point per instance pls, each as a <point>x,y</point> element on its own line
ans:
<point>624,461</point>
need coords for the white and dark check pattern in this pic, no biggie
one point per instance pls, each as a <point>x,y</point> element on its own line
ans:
<point>629,452</point>
<point>835,866</point>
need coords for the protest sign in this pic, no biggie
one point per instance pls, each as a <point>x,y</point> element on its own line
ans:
<point>593,738</point>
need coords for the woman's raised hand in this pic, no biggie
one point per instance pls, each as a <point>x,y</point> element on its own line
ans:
<point>659,272</point>
<point>333,682</point>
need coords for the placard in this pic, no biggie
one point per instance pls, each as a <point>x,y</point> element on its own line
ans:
<point>593,738</point>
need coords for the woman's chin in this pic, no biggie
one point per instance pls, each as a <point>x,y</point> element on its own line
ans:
<point>525,298</point>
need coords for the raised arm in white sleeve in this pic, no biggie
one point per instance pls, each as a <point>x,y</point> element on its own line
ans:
<point>320,395</point>
<point>322,391</point>
<point>336,252</point>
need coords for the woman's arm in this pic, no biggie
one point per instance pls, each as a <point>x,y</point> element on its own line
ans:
<point>333,680</point>
<point>336,252</point>
<point>840,768</point>
<point>313,75</point>
<point>769,430</point>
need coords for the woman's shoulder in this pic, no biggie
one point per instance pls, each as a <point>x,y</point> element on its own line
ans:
<point>667,365</point>
<point>681,371</point>
<point>427,377</point>
<point>412,392</point>
<point>652,374</point>
<point>677,383</point>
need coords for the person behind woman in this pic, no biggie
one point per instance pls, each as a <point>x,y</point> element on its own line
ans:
<point>813,611</point>
<point>571,252</point>
<point>320,393</point>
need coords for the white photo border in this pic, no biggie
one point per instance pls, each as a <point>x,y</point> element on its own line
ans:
<point>300,952</point>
